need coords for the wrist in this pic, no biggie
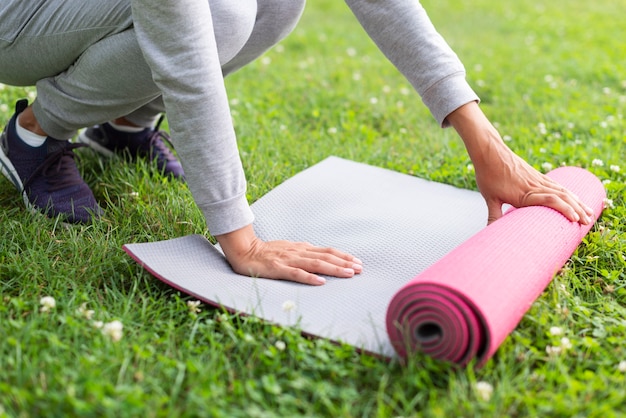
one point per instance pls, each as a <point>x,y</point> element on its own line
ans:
<point>237,243</point>
<point>482,141</point>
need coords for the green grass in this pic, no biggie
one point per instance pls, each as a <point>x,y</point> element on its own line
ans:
<point>551,76</point>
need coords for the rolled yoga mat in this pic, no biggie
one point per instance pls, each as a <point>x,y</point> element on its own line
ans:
<point>402,227</point>
<point>467,303</point>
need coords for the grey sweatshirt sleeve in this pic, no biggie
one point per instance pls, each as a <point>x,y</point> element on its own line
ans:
<point>178,42</point>
<point>404,33</point>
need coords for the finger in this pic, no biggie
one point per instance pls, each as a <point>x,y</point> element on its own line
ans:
<point>298,275</point>
<point>558,203</point>
<point>336,253</point>
<point>319,266</point>
<point>585,213</point>
<point>494,209</point>
<point>351,263</point>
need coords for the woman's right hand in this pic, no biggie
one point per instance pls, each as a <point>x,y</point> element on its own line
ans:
<point>285,260</point>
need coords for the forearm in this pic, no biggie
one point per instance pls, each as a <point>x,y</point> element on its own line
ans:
<point>178,42</point>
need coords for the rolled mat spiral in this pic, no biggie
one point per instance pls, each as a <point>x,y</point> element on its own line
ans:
<point>463,306</point>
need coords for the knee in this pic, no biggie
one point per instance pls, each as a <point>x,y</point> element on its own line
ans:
<point>232,25</point>
<point>279,17</point>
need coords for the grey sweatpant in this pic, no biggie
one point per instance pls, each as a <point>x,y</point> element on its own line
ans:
<point>85,60</point>
<point>95,60</point>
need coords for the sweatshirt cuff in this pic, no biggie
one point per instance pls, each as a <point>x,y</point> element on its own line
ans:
<point>447,95</point>
<point>228,216</point>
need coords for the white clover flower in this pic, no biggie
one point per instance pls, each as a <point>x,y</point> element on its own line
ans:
<point>609,203</point>
<point>279,48</point>
<point>542,128</point>
<point>553,350</point>
<point>47,303</point>
<point>266,60</point>
<point>597,162</point>
<point>373,100</point>
<point>470,168</point>
<point>332,130</point>
<point>566,344</point>
<point>480,83</point>
<point>556,330</point>
<point>622,366</point>
<point>113,330</point>
<point>289,306</point>
<point>614,168</point>
<point>248,338</point>
<point>283,127</point>
<point>192,305</point>
<point>606,90</point>
<point>356,76</point>
<point>351,52</point>
<point>4,107</point>
<point>507,138</point>
<point>386,89</point>
<point>542,150</point>
<point>405,91</point>
<point>97,324</point>
<point>606,181</point>
<point>280,345</point>
<point>484,390</point>
<point>84,312</point>
<point>546,166</point>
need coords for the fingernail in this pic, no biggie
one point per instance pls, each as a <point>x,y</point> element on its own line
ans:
<point>357,267</point>
<point>321,280</point>
<point>349,271</point>
<point>357,261</point>
<point>576,217</point>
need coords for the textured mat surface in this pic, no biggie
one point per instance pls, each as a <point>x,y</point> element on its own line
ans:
<point>399,226</point>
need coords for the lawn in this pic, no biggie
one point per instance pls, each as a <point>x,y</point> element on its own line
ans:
<point>551,77</point>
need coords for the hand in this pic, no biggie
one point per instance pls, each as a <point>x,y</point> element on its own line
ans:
<point>504,177</point>
<point>285,260</point>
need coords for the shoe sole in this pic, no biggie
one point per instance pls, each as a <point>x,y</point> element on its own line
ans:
<point>9,171</point>
<point>94,145</point>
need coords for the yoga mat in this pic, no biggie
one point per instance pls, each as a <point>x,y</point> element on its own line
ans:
<point>400,226</point>
<point>468,302</point>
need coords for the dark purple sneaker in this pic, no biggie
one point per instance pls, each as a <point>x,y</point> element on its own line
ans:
<point>46,176</point>
<point>149,143</point>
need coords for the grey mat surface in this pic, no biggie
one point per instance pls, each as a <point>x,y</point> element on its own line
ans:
<point>397,224</point>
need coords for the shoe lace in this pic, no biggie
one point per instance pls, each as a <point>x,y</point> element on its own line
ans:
<point>58,168</point>
<point>157,141</point>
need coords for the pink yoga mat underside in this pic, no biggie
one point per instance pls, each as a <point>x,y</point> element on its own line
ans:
<point>435,279</point>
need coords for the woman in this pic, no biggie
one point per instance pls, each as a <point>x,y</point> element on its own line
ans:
<point>118,64</point>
